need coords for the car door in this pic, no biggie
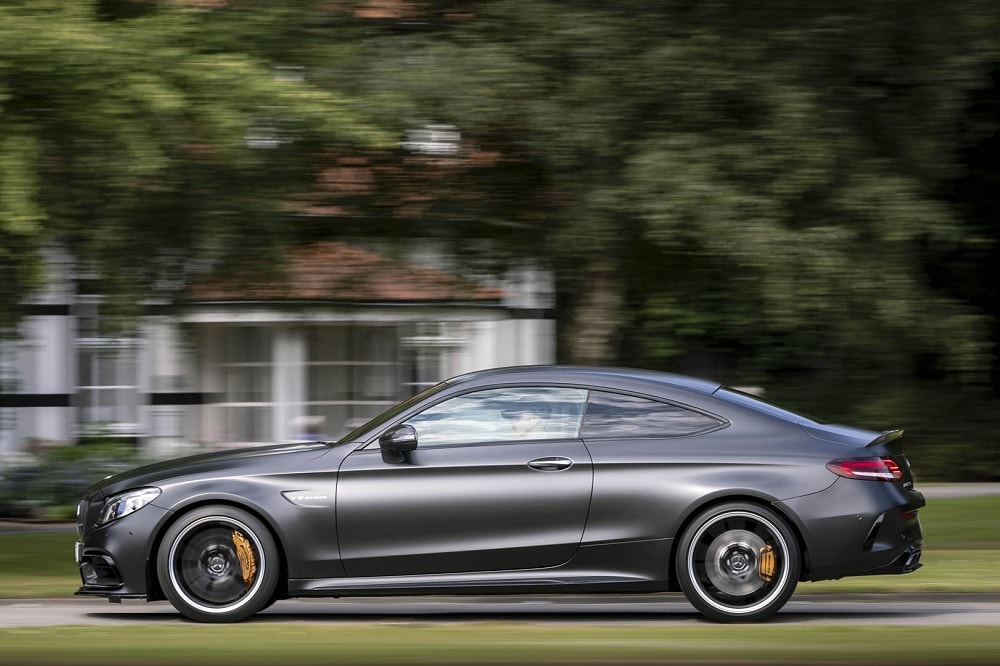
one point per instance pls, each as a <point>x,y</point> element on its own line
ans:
<point>479,493</point>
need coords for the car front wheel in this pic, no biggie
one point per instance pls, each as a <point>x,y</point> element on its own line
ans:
<point>218,564</point>
<point>738,562</point>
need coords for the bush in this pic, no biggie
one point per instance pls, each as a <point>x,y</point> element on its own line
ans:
<point>50,487</point>
<point>950,429</point>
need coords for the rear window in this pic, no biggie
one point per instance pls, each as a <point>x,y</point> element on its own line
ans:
<point>616,415</point>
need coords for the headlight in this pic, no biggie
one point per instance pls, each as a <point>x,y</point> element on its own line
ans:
<point>125,503</point>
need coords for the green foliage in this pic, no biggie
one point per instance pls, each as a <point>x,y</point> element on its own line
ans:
<point>793,157</point>
<point>483,642</point>
<point>40,554</point>
<point>768,185</point>
<point>961,523</point>
<point>950,428</point>
<point>766,189</point>
<point>51,486</point>
<point>146,146</point>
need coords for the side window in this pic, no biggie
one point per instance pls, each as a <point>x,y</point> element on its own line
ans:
<point>502,415</point>
<point>615,415</point>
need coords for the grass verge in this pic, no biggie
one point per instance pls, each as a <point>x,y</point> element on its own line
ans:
<point>482,643</point>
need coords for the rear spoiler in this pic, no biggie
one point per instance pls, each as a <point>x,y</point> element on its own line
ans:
<point>885,437</point>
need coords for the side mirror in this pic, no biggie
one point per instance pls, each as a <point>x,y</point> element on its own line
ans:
<point>397,442</point>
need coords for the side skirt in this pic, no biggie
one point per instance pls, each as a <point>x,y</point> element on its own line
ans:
<point>636,566</point>
<point>499,583</point>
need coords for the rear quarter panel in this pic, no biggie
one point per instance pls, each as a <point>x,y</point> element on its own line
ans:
<point>649,488</point>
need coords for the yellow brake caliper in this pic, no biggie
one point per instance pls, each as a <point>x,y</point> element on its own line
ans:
<point>767,563</point>
<point>247,561</point>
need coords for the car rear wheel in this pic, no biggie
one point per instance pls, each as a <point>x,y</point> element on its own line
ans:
<point>738,562</point>
<point>218,564</point>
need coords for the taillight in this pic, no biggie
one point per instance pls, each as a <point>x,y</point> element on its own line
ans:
<point>872,469</point>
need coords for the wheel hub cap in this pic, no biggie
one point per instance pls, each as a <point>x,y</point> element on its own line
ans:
<point>217,564</point>
<point>738,561</point>
<point>732,562</point>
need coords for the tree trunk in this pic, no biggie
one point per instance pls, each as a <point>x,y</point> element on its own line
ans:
<point>596,319</point>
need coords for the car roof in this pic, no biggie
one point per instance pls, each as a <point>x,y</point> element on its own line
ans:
<point>587,375</point>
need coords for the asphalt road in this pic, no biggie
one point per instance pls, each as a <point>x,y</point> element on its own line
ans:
<point>917,610</point>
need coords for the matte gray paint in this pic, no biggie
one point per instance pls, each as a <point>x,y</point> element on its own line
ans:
<point>479,518</point>
<point>438,511</point>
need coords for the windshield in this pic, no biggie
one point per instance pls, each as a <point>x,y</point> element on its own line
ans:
<point>389,414</point>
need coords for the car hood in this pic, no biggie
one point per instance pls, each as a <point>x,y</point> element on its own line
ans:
<point>272,457</point>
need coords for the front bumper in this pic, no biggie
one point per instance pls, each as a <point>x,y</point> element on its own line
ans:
<point>115,560</point>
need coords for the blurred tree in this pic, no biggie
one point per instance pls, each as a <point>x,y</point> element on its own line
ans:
<point>754,184</point>
<point>735,189</point>
<point>756,192</point>
<point>971,269</point>
<point>150,139</point>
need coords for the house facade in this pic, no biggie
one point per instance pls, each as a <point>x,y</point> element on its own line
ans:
<point>344,332</point>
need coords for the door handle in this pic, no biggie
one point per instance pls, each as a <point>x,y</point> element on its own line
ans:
<point>555,464</point>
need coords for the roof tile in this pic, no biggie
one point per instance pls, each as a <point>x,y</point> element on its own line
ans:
<point>336,271</point>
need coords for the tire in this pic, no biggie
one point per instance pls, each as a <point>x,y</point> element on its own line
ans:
<point>218,564</point>
<point>738,562</point>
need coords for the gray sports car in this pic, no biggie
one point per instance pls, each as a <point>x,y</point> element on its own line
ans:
<point>517,480</point>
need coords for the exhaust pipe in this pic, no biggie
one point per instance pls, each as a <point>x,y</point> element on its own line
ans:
<point>910,560</point>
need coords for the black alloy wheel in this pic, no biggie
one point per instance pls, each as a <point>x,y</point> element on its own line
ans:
<point>738,562</point>
<point>218,564</point>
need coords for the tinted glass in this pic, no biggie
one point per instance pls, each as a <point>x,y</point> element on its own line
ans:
<point>501,415</point>
<point>615,415</point>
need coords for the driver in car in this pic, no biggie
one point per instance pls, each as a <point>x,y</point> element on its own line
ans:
<point>529,419</point>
